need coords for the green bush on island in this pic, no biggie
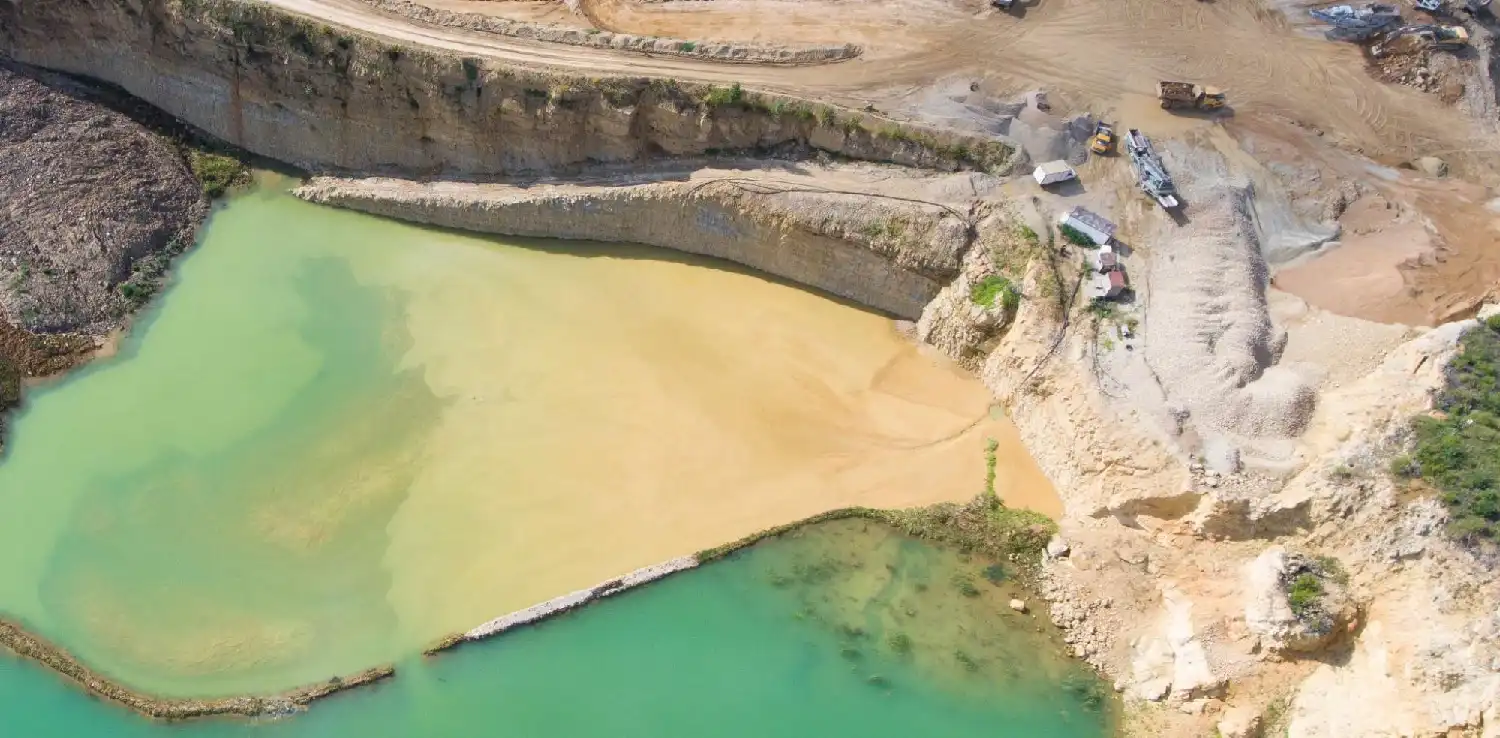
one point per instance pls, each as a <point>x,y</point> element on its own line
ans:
<point>1457,448</point>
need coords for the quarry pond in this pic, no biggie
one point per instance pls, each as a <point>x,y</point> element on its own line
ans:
<point>336,439</point>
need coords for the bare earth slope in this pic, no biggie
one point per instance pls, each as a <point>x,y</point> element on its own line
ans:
<point>87,194</point>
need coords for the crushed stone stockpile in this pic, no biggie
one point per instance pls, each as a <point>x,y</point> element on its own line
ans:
<point>88,194</point>
<point>714,50</point>
<point>1213,344</point>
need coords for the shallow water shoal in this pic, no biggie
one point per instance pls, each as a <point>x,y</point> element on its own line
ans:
<point>791,638</point>
<point>338,438</point>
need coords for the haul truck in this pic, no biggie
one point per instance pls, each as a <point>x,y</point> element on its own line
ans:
<point>1175,95</point>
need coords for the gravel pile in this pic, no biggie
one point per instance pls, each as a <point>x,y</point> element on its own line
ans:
<point>87,195</point>
<point>1212,343</point>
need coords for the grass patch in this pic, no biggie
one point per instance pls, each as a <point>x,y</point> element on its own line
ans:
<point>718,97</point>
<point>893,227</point>
<point>1332,569</point>
<point>216,173</point>
<point>995,288</point>
<point>1305,592</point>
<point>1457,449</point>
<point>990,447</point>
<point>1103,309</point>
<point>687,46</point>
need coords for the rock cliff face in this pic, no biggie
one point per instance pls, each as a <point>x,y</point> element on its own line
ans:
<point>323,98</point>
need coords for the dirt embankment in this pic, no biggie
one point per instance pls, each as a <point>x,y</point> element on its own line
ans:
<point>94,206</point>
<point>888,252</point>
<point>753,53</point>
<point>16,639</point>
<point>322,98</point>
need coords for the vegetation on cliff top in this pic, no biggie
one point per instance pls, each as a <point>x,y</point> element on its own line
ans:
<point>995,289</point>
<point>1457,447</point>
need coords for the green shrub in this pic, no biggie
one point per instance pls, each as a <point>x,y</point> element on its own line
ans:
<point>990,447</point>
<point>1457,450</point>
<point>216,173</point>
<point>718,97</point>
<point>687,46</point>
<point>1305,593</point>
<point>993,288</point>
<point>1077,237</point>
<point>1332,569</point>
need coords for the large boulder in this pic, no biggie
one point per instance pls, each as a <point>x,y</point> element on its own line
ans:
<point>1308,623</point>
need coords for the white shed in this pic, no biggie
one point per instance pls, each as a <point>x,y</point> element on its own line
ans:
<point>1090,224</point>
<point>1052,172</point>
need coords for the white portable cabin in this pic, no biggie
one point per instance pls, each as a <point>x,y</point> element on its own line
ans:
<point>1053,172</point>
<point>1091,224</point>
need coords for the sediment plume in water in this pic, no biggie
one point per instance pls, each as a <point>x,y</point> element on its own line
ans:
<point>339,438</point>
<point>843,628</point>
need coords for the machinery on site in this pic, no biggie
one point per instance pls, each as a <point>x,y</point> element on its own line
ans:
<point>1357,24</point>
<point>1175,95</point>
<point>1438,7</point>
<point>1103,140</point>
<point>1150,173</point>
<point>1003,4</point>
<point>1408,39</point>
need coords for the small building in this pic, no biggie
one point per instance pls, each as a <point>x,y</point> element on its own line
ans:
<point>1052,172</point>
<point>1105,261</point>
<point>1107,286</point>
<point>1117,283</point>
<point>1091,224</point>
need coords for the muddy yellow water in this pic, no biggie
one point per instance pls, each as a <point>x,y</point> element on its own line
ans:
<point>338,438</point>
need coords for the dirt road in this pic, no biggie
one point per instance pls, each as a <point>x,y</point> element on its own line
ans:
<point>1092,55</point>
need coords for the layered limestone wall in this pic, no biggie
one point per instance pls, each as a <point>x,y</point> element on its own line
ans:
<point>893,256</point>
<point>322,98</point>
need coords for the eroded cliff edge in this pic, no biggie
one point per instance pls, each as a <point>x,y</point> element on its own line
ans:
<point>326,98</point>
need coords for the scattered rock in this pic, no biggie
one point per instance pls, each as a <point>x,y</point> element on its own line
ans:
<point>1240,722</point>
<point>1018,605</point>
<point>1057,547</point>
<point>1431,166</point>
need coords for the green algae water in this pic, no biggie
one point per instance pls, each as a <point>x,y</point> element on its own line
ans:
<point>337,438</point>
<point>841,629</point>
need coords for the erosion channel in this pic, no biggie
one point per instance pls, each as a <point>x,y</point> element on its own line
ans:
<point>337,438</point>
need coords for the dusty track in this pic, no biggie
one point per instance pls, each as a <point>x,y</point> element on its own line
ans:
<point>1093,55</point>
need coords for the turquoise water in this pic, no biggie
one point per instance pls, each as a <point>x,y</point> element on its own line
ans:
<point>792,638</point>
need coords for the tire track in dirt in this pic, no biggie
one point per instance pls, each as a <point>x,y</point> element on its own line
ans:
<point>1092,53</point>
